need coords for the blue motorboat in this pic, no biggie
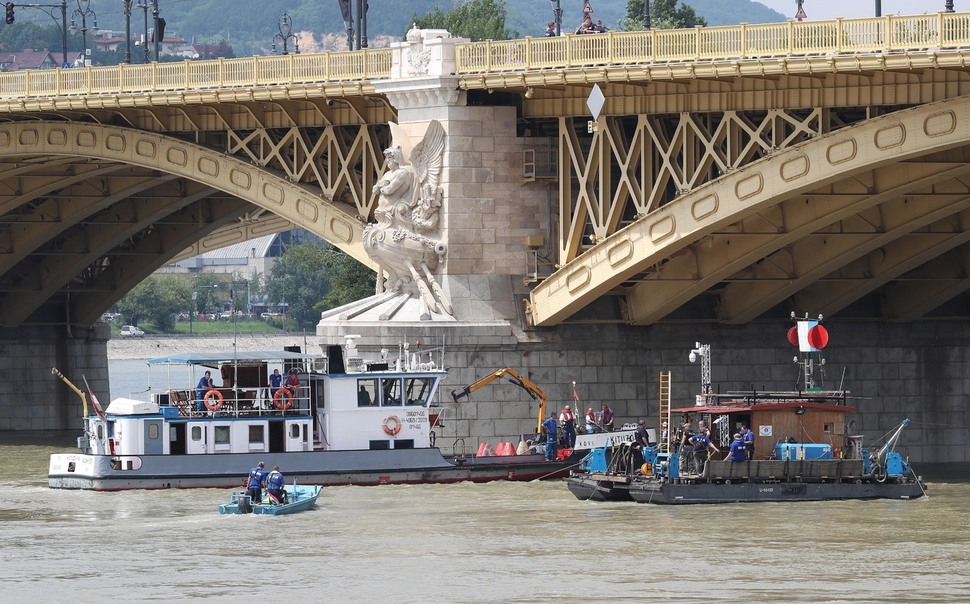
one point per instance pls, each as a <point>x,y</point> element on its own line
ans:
<point>298,498</point>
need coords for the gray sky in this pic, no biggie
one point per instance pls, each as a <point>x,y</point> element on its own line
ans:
<point>818,10</point>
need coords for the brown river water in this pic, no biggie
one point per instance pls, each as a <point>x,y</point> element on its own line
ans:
<point>498,542</point>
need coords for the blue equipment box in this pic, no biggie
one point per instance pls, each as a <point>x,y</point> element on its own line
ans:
<point>808,451</point>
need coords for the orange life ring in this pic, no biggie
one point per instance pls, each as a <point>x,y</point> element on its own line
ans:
<point>278,397</point>
<point>392,425</point>
<point>207,399</point>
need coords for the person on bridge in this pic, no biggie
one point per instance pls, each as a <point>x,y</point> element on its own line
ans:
<point>550,427</point>
<point>586,27</point>
<point>205,384</point>
<point>274,486</point>
<point>550,30</point>
<point>567,419</point>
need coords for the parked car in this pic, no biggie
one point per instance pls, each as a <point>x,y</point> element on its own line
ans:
<point>132,331</point>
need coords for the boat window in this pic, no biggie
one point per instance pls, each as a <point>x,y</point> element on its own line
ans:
<point>380,445</point>
<point>221,435</point>
<point>100,431</point>
<point>256,434</point>
<point>366,392</point>
<point>417,390</point>
<point>294,430</point>
<point>153,431</point>
<point>196,433</point>
<point>404,444</point>
<point>391,392</point>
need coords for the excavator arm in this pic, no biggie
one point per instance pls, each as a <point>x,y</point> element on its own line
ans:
<point>519,380</point>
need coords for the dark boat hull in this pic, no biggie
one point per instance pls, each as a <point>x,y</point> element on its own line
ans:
<point>678,494</point>
<point>588,488</point>
<point>325,468</point>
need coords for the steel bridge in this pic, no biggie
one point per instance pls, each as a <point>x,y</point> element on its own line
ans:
<point>732,170</point>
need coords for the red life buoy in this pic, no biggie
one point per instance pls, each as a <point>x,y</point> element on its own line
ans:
<point>392,425</point>
<point>207,399</point>
<point>279,403</point>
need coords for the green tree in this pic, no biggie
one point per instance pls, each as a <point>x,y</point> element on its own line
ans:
<point>205,293</point>
<point>664,14</point>
<point>349,281</point>
<point>299,278</point>
<point>156,299</point>
<point>474,19</point>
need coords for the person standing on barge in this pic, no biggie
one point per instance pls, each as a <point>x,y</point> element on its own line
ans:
<point>550,427</point>
<point>568,421</point>
<point>747,436</point>
<point>590,421</point>
<point>738,451</point>
<point>701,443</point>
<point>205,384</point>
<point>607,416</point>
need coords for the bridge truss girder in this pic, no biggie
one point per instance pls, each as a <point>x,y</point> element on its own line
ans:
<point>92,210</point>
<point>856,213</point>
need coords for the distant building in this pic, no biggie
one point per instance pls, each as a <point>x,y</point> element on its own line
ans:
<point>28,59</point>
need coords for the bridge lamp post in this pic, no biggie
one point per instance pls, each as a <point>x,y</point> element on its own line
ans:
<point>49,9</point>
<point>646,15</point>
<point>286,34</point>
<point>949,6</point>
<point>83,10</point>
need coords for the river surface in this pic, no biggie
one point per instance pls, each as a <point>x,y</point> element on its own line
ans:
<point>497,542</point>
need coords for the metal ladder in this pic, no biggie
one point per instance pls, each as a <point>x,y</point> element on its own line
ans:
<point>664,412</point>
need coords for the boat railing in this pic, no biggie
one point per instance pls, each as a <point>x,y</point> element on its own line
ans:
<point>238,402</point>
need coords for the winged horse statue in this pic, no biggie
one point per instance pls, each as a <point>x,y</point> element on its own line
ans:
<point>404,240</point>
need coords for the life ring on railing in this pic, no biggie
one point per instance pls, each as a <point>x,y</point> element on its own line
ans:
<point>392,425</point>
<point>207,399</point>
<point>279,396</point>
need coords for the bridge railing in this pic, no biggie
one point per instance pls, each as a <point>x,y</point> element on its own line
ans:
<point>882,34</point>
<point>200,75</point>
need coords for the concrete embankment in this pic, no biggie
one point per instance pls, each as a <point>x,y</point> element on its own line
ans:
<point>148,347</point>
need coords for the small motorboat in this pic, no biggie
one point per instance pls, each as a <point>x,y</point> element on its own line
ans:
<point>298,499</point>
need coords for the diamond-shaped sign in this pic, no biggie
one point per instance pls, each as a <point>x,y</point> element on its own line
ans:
<point>596,101</point>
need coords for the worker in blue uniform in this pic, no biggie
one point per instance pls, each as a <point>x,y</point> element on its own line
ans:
<point>701,442</point>
<point>274,486</point>
<point>550,426</point>
<point>255,483</point>
<point>738,450</point>
<point>747,436</point>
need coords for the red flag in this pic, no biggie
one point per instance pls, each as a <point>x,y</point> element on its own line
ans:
<point>94,399</point>
<point>575,394</point>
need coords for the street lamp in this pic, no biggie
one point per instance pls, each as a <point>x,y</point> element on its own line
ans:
<point>286,29</point>
<point>646,15</point>
<point>49,9</point>
<point>83,10</point>
<point>949,7</point>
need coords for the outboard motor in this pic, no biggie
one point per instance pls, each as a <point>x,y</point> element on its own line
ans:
<point>244,503</point>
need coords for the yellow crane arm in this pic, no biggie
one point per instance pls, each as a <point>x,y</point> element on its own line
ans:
<point>70,384</point>
<point>521,381</point>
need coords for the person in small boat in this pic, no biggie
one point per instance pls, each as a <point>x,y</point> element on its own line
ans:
<point>748,437</point>
<point>274,485</point>
<point>590,421</point>
<point>606,417</point>
<point>701,444</point>
<point>255,484</point>
<point>567,419</point>
<point>205,384</point>
<point>275,382</point>
<point>550,427</point>
<point>738,451</point>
